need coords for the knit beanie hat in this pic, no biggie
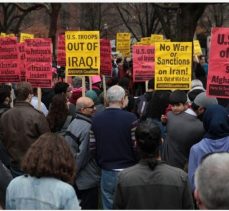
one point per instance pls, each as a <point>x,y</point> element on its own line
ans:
<point>203,100</point>
<point>92,94</point>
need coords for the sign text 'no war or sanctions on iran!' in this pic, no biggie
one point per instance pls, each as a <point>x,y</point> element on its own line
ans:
<point>173,62</point>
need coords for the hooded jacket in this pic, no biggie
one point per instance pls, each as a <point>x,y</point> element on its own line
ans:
<point>216,138</point>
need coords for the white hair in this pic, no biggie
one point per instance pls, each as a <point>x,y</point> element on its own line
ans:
<point>212,181</point>
<point>115,94</point>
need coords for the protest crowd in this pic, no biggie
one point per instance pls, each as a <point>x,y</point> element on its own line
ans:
<point>135,139</point>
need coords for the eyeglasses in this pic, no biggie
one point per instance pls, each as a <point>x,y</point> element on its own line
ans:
<point>92,106</point>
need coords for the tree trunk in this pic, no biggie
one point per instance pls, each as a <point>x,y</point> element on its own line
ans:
<point>187,18</point>
<point>55,9</point>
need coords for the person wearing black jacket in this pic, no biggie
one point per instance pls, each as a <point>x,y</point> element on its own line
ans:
<point>152,184</point>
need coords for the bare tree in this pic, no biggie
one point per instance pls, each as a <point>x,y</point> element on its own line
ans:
<point>13,14</point>
<point>53,10</point>
<point>179,20</point>
<point>215,15</point>
<point>140,19</point>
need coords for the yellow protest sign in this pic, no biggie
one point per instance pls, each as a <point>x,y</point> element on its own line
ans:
<point>11,35</point>
<point>167,40</point>
<point>3,34</point>
<point>123,44</point>
<point>82,53</point>
<point>145,40</point>
<point>173,65</point>
<point>24,36</point>
<point>156,38</point>
<point>197,48</point>
<point>138,43</point>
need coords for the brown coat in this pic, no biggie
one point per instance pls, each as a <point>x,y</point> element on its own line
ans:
<point>21,126</point>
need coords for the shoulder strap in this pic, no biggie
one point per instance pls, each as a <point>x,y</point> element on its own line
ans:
<point>76,139</point>
<point>79,117</point>
<point>67,121</point>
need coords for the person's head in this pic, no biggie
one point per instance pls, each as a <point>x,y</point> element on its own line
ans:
<point>212,182</point>
<point>115,96</point>
<point>62,88</point>
<point>148,140</point>
<point>196,88</point>
<point>5,98</point>
<point>202,59</point>
<point>24,91</point>
<point>50,156</point>
<point>86,106</point>
<point>92,94</point>
<point>178,100</point>
<point>124,83</point>
<point>112,81</point>
<point>58,111</point>
<point>216,122</point>
<point>200,103</point>
<point>77,82</point>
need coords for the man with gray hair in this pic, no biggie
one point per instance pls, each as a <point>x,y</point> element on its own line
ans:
<point>212,182</point>
<point>112,140</point>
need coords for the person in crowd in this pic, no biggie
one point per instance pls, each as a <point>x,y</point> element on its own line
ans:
<point>111,82</point>
<point>200,104</point>
<point>76,93</point>
<point>61,87</point>
<point>58,116</point>
<point>152,184</point>
<point>124,83</point>
<point>97,100</point>
<point>116,65</point>
<point>21,126</point>
<point>49,174</point>
<point>216,138</point>
<point>34,102</point>
<point>96,84</point>
<point>203,63</point>
<point>5,100</point>
<point>112,141</point>
<point>5,178</point>
<point>200,74</point>
<point>58,88</point>
<point>48,93</point>
<point>88,173</point>
<point>5,175</point>
<point>212,182</point>
<point>93,95</point>
<point>196,88</point>
<point>143,100</point>
<point>154,105</point>
<point>224,102</point>
<point>183,130</point>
